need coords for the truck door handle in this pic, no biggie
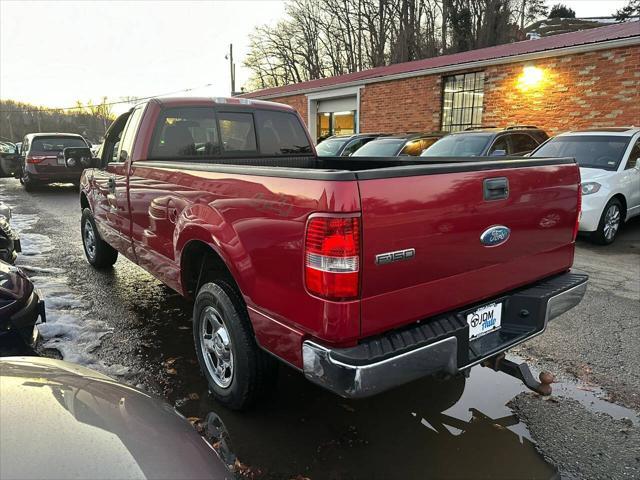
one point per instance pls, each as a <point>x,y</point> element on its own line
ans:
<point>111,183</point>
<point>496,188</point>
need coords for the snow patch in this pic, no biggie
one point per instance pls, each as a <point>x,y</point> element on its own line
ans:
<point>23,221</point>
<point>35,244</point>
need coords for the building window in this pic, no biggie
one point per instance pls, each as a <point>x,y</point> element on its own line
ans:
<point>336,123</point>
<point>462,101</point>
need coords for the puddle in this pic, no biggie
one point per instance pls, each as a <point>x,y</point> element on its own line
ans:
<point>430,428</point>
<point>592,398</point>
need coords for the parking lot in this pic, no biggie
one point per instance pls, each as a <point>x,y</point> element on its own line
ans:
<point>125,323</point>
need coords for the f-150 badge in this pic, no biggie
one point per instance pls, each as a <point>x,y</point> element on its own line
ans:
<point>397,256</point>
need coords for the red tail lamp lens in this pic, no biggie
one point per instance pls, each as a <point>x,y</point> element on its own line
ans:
<point>332,257</point>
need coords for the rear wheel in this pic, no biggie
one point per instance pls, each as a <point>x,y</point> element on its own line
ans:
<point>28,183</point>
<point>610,223</point>
<point>98,252</point>
<point>238,372</point>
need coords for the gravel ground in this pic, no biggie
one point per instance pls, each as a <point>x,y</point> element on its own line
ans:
<point>598,341</point>
<point>588,445</point>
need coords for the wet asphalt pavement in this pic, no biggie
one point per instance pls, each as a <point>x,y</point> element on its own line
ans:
<point>125,323</point>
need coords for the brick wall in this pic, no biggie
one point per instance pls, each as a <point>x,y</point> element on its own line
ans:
<point>592,89</point>
<point>408,105</point>
<point>299,102</point>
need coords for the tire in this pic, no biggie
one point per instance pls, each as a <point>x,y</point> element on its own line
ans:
<point>610,223</point>
<point>28,184</point>
<point>238,372</point>
<point>99,253</point>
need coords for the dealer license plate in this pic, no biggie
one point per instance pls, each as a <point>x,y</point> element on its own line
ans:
<point>485,319</point>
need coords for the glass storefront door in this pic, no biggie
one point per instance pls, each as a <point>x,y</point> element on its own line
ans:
<point>336,123</point>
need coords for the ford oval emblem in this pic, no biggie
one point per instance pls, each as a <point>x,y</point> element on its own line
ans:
<point>494,236</point>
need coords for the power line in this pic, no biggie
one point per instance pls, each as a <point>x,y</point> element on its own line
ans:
<point>137,99</point>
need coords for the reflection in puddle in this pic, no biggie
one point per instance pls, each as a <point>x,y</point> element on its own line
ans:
<point>431,428</point>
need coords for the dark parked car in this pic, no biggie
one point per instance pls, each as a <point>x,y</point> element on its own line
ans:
<point>20,305</point>
<point>43,161</point>
<point>9,241</point>
<point>93,428</point>
<point>488,141</point>
<point>412,144</point>
<point>345,145</point>
<point>8,159</point>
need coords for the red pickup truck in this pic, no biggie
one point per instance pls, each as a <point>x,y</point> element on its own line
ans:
<point>362,273</point>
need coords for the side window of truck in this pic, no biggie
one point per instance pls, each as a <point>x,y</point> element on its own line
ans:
<point>126,140</point>
<point>111,144</point>
<point>185,133</point>
<point>237,133</point>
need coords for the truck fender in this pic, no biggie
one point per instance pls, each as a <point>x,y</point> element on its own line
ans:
<point>200,223</point>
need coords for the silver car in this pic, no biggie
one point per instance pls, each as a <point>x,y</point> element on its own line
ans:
<point>60,420</point>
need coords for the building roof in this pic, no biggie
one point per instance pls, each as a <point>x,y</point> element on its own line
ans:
<point>557,26</point>
<point>554,42</point>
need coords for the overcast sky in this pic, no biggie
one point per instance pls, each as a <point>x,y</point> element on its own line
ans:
<point>54,53</point>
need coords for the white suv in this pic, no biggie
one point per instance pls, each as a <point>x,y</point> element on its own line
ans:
<point>609,160</point>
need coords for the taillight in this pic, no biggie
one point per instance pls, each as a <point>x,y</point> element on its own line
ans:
<point>578,211</point>
<point>332,257</point>
<point>36,158</point>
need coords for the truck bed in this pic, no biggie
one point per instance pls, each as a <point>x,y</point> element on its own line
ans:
<point>434,206</point>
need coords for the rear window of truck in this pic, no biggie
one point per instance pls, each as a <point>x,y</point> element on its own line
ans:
<point>200,132</point>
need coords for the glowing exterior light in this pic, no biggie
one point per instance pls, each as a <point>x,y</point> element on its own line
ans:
<point>531,77</point>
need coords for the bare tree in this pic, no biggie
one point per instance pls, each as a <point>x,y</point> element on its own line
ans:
<point>320,38</point>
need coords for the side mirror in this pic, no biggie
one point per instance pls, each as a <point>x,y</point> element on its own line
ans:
<point>499,153</point>
<point>79,158</point>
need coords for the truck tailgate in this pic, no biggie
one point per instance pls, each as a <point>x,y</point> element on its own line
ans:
<point>442,216</point>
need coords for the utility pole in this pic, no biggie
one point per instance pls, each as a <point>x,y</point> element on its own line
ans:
<point>232,69</point>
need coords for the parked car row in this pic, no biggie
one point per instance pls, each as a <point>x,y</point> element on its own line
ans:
<point>608,159</point>
<point>474,141</point>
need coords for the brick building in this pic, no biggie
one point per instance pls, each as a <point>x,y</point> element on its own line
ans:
<point>588,78</point>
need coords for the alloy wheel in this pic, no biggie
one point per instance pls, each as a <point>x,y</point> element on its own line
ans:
<point>89,238</point>
<point>215,344</point>
<point>611,222</point>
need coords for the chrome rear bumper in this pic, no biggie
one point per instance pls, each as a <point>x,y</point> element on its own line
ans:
<point>333,370</point>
